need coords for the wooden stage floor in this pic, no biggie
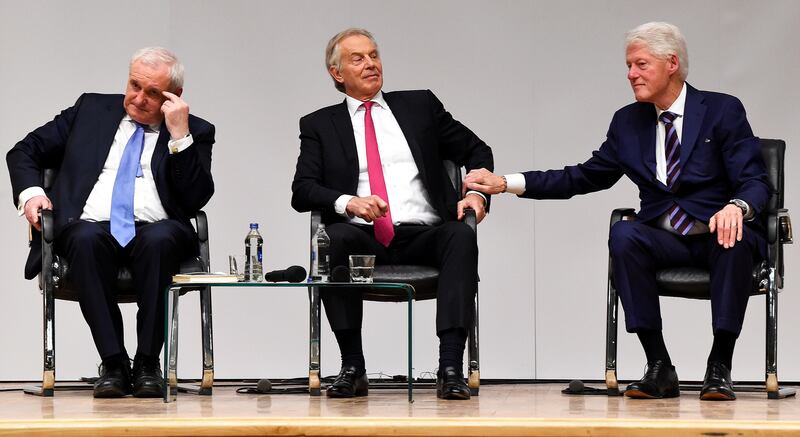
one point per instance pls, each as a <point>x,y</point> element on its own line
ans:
<point>500,410</point>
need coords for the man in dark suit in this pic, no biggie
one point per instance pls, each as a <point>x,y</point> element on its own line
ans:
<point>132,170</point>
<point>702,184</point>
<point>373,165</point>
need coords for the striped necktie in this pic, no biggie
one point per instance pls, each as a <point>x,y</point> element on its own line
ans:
<point>679,219</point>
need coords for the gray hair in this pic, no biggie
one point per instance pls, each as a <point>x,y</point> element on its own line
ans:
<point>159,55</point>
<point>333,56</point>
<point>663,40</point>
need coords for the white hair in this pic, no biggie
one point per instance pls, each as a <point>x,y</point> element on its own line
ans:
<point>333,56</point>
<point>159,55</point>
<point>663,40</point>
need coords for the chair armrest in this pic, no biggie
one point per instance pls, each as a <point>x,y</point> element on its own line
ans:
<point>201,221</point>
<point>471,219</point>
<point>621,214</point>
<point>48,227</point>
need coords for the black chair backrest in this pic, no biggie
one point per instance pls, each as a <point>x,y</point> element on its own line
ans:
<point>48,177</point>
<point>454,173</point>
<point>773,152</point>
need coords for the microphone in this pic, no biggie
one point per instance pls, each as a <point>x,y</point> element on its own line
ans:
<point>291,274</point>
<point>340,274</point>
<point>576,386</point>
<point>264,386</point>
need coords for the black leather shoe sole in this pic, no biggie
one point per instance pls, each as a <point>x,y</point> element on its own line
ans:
<point>148,391</point>
<point>110,391</point>
<point>717,395</point>
<point>453,395</point>
<point>334,393</point>
<point>639,394</point>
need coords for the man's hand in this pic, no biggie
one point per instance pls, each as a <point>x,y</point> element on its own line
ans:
<point>484,181</point>
<point>176,115</point>
<point>32,207</point>
<point>475,202</point>
<point>727,223</point>
<point>367,208</point>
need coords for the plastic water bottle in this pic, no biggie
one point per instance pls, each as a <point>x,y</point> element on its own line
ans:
<point>253,272</point>
<point>320,258</point>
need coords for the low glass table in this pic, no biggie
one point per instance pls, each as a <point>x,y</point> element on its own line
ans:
<point>172,295</point>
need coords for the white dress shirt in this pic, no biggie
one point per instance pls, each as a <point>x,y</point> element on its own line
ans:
<point>147,205</point>
<point>409,201</point>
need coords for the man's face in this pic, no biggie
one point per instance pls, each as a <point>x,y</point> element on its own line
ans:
<point>361,70</point>
<point>649,75</point>
<point>143,98</point>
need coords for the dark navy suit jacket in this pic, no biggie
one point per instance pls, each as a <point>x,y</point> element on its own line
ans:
<point>77,142</point>
<point>720,160</point>
<point>328,163</point>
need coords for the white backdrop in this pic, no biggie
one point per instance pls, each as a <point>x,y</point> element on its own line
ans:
<point>537,80</point>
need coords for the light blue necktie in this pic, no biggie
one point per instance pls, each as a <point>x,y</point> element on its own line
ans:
<point>122,226</point>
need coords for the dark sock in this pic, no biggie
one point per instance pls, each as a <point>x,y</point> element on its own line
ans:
<point>653,344</point>
<point>350,345</point>
<point>451,348</point>
<point>722,348</point>
<point>116,361</point>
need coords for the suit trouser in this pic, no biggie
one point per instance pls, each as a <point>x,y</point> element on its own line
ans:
<point>451,247</point>
<point>638,250</point>
<point>94,258</point>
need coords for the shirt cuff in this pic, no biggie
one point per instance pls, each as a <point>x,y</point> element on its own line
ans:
<point>515,183</point>
<point>340,206</point>
<point>478,193</point>
<point>181,144</point>
<point>26,195</point>
<point>749,214</point>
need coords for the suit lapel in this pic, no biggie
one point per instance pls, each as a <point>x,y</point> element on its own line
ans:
<point>108,120</point>
<point>161,150</point>
<point>647,138</point>
<point>340,118</point>
<point>403,115</point>
<point>694,112</point>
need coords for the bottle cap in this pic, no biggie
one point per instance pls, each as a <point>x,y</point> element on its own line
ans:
<point>253,225</point>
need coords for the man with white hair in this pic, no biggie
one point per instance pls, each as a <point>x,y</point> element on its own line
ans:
<point>702,184</point>
<point>132,170</point>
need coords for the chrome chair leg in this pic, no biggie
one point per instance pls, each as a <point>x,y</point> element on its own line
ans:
<point>314,382</point>
<point>774,391</point>
<point>612,385</point>
<point>473,353</point>
<point>207,328</point>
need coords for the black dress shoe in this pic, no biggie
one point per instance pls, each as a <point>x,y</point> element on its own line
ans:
<point>717,384</point>
<point>450,384</point>
<point>659,381</point>
<point>148,381</point>
<point>114,380</point>
<point>350,382</point>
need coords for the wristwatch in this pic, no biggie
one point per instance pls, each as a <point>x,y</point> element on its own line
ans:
<point>741,204</point>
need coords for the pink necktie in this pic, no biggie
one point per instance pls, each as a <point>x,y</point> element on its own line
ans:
<point>384,229</point>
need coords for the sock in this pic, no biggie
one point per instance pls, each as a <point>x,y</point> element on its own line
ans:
<point>451,348</point>
<point>653,344</point>
<point>116,361</point>
<point>350,346</point>
<point>722,348</point>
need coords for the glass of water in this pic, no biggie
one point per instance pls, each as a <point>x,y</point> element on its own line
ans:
<point>361,268</point>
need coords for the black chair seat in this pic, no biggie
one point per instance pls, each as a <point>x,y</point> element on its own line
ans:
<point>424,280</point>
<point>66,289</point>
<point>693,282</point>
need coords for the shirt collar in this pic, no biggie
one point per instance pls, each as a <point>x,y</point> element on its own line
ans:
<point>354,104</point>
<point>677,107</point>
<point>153,127</point>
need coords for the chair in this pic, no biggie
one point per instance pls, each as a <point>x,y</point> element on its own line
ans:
<point>693,283</point>
<point>424,280</point>
<point>54,283</point>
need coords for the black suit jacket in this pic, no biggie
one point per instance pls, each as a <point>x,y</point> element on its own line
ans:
<point>328,163</point>
<point>76,143</point>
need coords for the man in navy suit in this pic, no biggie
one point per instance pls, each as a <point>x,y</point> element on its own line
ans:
<point>702,184</point>
<point>373,165</point>
<point>132,170</point>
